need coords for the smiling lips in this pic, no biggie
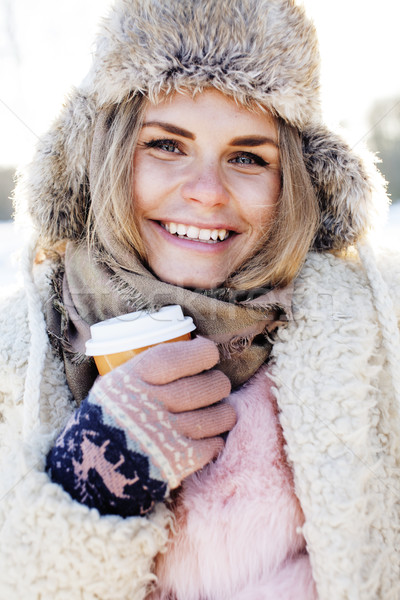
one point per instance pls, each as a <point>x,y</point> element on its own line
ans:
<point>195,233</point>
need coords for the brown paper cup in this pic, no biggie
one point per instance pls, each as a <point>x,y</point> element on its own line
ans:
<point>116,340</point>
<point>108,362</point>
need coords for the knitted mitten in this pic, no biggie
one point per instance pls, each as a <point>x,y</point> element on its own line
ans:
<point>143,428</point>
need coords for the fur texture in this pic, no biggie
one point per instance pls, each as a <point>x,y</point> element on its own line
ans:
<point>238,530</point>
<point>241,48</point>
<point>263,50</point>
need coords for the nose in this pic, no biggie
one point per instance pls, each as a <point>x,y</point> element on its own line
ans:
<point>205,184</point>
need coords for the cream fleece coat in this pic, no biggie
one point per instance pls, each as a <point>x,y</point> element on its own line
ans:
<point>337,408</point>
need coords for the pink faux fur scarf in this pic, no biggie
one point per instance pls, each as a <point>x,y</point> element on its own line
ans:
<point>238,521</point>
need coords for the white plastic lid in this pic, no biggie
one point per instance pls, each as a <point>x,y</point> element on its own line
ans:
<point>137,329</point>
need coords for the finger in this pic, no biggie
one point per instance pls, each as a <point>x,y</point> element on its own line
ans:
<point>205,423</point>
<point>168,362</point>
<point>202,452</point>
<point>207,450</point>
<point>193,392</point>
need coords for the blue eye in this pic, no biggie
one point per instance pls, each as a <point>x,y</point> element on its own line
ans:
<point>165,145</point>
<point>248,158</point>
<point>244,160</point>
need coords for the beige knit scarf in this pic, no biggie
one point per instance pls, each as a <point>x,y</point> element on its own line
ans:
<point>94,287</point>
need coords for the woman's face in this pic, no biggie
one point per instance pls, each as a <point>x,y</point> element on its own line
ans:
<point>206,181</point>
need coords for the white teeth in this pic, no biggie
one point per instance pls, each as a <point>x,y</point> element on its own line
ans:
<point>195,233</point>
<point>204,234</point>
<point>181,229</point>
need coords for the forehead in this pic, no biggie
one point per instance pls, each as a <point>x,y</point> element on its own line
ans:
<point>212,109</point>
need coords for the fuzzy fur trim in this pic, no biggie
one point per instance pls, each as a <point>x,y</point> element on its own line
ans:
<point>350,190</point>
<point>55,186</point>
<point>266,50</point>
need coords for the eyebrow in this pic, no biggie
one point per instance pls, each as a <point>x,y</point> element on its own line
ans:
<point>251,141</point>
<point>171,129</point>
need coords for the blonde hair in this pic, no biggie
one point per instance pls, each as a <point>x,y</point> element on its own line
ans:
<point>282,250</point>
<point>111,184</point>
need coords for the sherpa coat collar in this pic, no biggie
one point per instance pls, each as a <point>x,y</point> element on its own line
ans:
<point>340,424</point>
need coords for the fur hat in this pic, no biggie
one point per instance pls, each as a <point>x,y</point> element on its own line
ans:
<point>264,50</point>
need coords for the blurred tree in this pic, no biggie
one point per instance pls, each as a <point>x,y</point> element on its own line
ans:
<point>6,187</point>
<point>384,138</point>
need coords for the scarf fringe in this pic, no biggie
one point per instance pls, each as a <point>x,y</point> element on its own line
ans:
<point>130,296</point>
<point>237,344</point>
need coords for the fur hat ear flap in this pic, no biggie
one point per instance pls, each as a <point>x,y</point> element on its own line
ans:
<point>56,185</point>
<point>347,187</point>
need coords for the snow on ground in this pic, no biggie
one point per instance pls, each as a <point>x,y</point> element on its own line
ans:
<point>391,232</point>
<point>10,243</point>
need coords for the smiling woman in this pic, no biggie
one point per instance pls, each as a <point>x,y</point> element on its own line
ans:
<point>260,458</point>
<point>205,168</point>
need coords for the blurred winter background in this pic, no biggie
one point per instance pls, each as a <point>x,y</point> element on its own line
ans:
<point>45,48</point>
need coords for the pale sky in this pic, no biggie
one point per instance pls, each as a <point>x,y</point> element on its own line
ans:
<point>45,47</point>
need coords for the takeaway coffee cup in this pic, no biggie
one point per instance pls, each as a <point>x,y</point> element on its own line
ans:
<point>116,340</point>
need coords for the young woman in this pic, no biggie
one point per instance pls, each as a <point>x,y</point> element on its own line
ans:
<point>258,460</point>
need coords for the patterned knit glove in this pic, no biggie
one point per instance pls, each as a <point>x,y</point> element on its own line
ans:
<point>144,427</point>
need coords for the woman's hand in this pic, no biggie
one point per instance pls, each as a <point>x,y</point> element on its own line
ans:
<point>144,427</point>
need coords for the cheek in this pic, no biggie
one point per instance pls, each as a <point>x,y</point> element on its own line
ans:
<point>152,182</point>
<point>144,186</point>
<point>259,201</point>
